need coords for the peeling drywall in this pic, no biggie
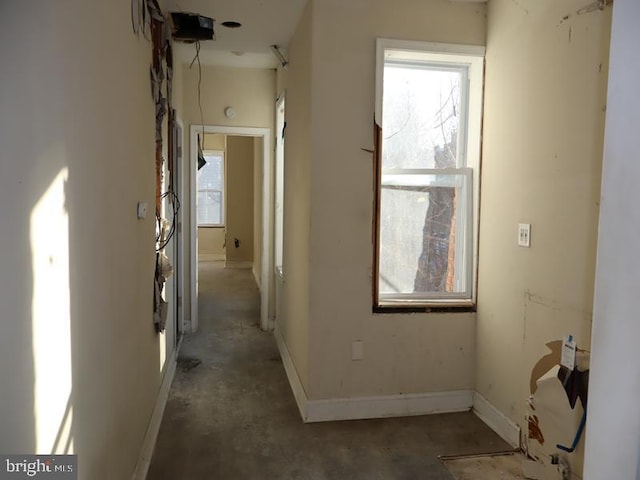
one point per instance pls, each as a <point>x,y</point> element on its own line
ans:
<point>545,88</point>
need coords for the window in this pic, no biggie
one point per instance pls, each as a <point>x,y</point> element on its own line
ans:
<point>428,109</point>
<point>210,202</point>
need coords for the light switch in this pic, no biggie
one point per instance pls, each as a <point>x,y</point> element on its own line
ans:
<point>142,210</point>
<point>524,234</point>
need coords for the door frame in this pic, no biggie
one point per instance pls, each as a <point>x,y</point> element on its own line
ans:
<point>179,235</point>
<point>267,209</point>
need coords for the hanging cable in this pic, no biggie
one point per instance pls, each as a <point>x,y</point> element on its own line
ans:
<point>174,202</point>
<point>196,58</point>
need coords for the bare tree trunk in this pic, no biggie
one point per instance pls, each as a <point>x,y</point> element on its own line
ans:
<point>435,265</point>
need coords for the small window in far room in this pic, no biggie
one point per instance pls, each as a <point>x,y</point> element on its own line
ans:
<point>428,108</point>
<point>210,202</point>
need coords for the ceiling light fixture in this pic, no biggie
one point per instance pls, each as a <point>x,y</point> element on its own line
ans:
<point>231,24</point>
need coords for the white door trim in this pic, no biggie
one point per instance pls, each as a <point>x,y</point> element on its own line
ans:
<point>180,251</point>
<point>267,209</point>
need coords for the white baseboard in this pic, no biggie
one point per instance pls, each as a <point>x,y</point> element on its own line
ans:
<point>358,408</point>
<point>211,257</point>
<point>142,467</point>
<point>256,277</point>
<point>292,374</point>
<point>401,405</point>
<point>496,420</point>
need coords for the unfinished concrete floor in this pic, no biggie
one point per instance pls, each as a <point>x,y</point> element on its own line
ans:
<point>231,414</point>
<point>491,467</point>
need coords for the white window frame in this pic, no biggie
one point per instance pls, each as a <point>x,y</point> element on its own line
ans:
<point>445,55</point>
<point>279,187</point>
<point>223,192</point>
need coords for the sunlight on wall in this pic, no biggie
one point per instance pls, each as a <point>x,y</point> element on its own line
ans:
<point>53,411</point>
<point>167,211</point>
<point>162,341</point>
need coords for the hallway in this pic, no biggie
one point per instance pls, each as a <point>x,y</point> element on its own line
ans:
<point>231,413</point>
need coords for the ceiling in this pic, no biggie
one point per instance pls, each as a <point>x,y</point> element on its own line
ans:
<point>264,23</point>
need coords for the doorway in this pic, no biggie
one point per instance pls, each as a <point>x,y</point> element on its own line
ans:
<point>263,265</point>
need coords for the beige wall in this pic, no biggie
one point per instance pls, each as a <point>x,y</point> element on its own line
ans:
<point>77,136</point>
<point>177,89</point>
<point>239,194</point>
<point>215,141</point>
<point>250,91</point>
<point>258,169</point>
<point>546,79</point>
<point>404,353</point>
<point>292,320</point>
<point>211,241</point>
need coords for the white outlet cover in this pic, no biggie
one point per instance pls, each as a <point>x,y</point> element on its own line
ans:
<point>357,350</point>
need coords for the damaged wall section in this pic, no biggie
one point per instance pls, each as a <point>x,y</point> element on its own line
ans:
<point>545,100</point>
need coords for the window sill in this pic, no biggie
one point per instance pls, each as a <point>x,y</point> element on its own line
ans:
<point>391,309</point>
<point>210,226</point>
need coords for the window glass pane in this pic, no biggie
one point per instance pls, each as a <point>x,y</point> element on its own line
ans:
<point>210,180</point>
<point>428,105</point>
<point>423,235</point>
<point>211,176</point>
<point>209,207</point>
<point>421,116</point>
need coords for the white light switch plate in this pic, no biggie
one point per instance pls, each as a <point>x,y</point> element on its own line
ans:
<point>524,234</point>
<point>142,210</point>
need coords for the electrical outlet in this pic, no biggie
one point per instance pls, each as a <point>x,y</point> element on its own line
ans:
<point>357,350</point>
<point>524,234</point>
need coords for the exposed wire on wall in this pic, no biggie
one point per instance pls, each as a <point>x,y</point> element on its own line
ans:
<point>164,235</point>
<point>201,161</point>
<point>174,202</point>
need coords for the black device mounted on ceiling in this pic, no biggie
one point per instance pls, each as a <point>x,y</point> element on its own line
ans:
<point>191,27</point>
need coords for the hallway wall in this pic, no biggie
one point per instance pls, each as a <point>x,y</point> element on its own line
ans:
<point>292,322</point>
<point>545,98</point>
<point>80,360</point>
<point>239,195</point>
<point>411,353</point>
<point>250,91</point>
